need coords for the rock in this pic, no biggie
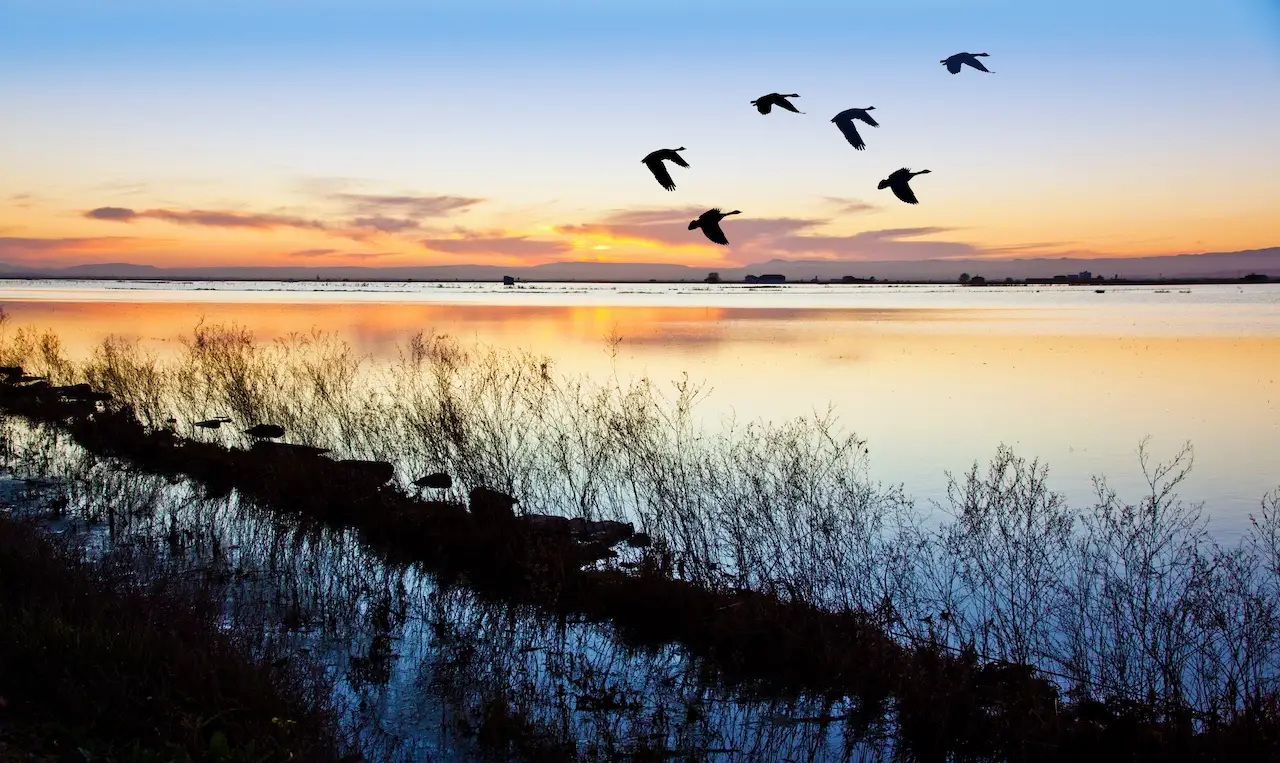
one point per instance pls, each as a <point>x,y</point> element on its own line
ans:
<point>265,430</point>
<point>378,472</point>
<point>77,391</point>
<point>609,532</point>
<point>435,481</point>
<point>546,523</point>
<point>287,449</point>
<point>640,540</point>
<point>491,504</point>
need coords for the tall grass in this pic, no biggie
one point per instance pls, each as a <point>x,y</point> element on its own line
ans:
<point>1117,600</point>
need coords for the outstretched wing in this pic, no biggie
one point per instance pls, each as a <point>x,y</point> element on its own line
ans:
<point>678,159</point>
<point>784,103</point>
<point>865,117</point>
<point>659,171</point>
<point>977,64</point>
<point>713,232</point>
<point>953,65</point>
<point>904,192</point>
<point>850,133</point>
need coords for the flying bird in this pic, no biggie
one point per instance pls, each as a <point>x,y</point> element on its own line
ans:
<point>709,222</point>
<point>654,162</point>
<point>845,121</point>
<point>765,102</point>
<point>898,183</point>
<point>954,63</point>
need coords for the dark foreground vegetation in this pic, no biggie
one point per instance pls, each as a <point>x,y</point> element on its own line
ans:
<point>1021,630</point>
<point>93,668</point>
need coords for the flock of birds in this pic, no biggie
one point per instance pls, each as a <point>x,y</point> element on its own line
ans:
<point>898,181</point>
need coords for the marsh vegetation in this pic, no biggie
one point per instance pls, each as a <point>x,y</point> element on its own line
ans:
<point>1003,622</point>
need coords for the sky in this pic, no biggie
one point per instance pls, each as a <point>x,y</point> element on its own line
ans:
<point>278,132</point>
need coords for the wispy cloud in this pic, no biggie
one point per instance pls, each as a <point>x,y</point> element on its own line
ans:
<point>886,244</point>
<point>20,249</point>
<point>670,227</point>
<point>515,246</point>
<point>115,214</point>
<point>385,224</point>
<point>756,239</point>
<point>850,206</point>
<point>212,218</point>
<point>403,206</point>
<point>313,252</point>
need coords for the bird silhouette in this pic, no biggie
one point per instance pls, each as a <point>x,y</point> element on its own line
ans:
<point>953,63</point>
<point>898,183</point>
<point>709,222</point>
<point>845,121</point>
<point>654,162</point>
<point>766,102</point>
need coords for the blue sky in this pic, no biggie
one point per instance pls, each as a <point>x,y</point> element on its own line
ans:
<point>1108,127</point>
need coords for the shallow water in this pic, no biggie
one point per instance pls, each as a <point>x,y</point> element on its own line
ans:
<point>409,682</point>
<point>932,377</point>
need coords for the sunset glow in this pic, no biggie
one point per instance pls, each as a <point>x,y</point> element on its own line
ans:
<point>244,134</point>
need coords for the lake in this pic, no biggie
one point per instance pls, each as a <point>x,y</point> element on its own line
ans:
<point>932,377</point>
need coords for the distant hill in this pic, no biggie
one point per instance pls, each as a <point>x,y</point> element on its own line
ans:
<point>1213,265</point>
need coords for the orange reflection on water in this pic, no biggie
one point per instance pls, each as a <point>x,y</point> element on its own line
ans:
<point>926,401</point>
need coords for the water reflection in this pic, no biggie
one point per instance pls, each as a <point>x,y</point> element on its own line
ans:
<point>424,672</point>
<point>933,378</point>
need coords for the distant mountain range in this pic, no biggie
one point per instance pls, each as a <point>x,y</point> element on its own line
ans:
<point>1214,265</point>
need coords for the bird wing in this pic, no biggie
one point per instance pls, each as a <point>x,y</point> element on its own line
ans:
<point>712,230</point>
<point>953,66</point>
<point>678,159</point>
<point>904,192</point>
<point>865,117</point>
<point>659,171</point>
<point>784,103</point>
<point>977,64</point>
<point>851,133</point>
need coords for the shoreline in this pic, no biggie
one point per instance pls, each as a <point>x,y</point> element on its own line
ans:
<point>1189,281</point>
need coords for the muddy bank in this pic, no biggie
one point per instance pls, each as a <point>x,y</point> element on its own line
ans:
<point>93,668</point>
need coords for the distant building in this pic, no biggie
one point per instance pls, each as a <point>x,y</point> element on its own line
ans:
<point>977,281</point>
<point>752,279</point>
<point>508,281</point>
<point>773,278</point>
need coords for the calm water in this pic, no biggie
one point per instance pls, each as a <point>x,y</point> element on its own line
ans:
<point>933,377</point>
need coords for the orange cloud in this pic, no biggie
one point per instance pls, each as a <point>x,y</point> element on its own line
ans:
<point>500,244</point>
<point>205,217</point>
<point>21,249</point>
